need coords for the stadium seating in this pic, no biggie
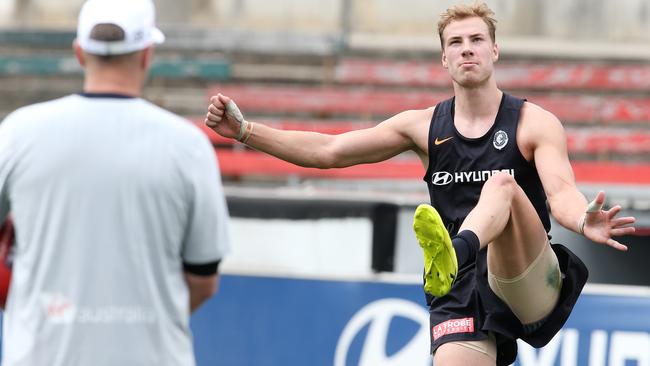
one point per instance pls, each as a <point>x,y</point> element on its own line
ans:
<point>378,103</point>
<point>605,106</point>
<point>580,141</point>
<point>237,162</point>
<point>510,75</point>
<point>170,68</point>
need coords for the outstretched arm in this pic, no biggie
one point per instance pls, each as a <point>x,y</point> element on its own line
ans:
<point>313,149</point>
<point>568,205</point>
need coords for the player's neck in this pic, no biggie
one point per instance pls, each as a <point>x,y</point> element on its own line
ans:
<point>477,105</point>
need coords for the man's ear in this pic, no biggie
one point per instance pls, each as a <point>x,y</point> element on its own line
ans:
<point>146,58</point>
<point>495,53</point>
<point>443,59</point>
<point>79,53</point>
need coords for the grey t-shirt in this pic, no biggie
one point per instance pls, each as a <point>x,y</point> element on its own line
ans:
<point>109,196</point>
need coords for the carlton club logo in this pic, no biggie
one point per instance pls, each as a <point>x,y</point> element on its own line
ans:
<point>500,140</point>
<point>377,317</point>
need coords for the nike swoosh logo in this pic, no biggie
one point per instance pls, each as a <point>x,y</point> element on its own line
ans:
<point>438,142</point>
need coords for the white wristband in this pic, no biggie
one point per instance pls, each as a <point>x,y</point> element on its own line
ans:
<point>242,130</point>
<point>581,224</point>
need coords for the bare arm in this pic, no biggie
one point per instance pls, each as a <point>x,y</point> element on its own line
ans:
<point>201,288</point>
<point>568,205</point>
<point>317,150</point>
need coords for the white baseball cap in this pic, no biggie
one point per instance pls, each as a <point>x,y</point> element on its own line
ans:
<point>135,17</point>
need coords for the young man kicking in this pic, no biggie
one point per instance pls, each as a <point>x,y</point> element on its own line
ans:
<point>493,163</point>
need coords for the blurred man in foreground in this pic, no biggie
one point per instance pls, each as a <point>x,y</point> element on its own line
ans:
<point>118,207</point>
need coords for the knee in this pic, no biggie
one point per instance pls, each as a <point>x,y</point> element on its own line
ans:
<point>502,183</point>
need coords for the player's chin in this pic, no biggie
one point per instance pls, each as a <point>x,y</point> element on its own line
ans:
<point>473,82</point>
<point>470,81</point>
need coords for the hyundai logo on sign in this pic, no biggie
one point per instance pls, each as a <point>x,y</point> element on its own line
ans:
<point>369,330</point>
<point>441,178</point>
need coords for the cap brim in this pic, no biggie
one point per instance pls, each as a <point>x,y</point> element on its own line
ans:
<point>157,36</point>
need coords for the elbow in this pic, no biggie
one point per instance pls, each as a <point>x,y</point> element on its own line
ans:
<point>330,156</point>
<point>552,201</point>
<point>324,160</point>
<point>326,163</point>
<point>202,288</point>
<point>210,289</point>
<point>202,294</point>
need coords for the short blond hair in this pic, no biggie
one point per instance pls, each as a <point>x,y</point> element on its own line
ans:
<point>462,11</point>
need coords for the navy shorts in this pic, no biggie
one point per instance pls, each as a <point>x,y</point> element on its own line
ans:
<point>471,310</point>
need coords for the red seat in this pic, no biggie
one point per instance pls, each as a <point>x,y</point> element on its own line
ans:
<point>256,164</point>
<point>580,141</point>
<point>368,103</point>
<point>509,75</point>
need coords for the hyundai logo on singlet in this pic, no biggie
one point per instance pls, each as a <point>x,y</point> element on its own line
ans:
<point>444,178</point>
<point>441,178</point>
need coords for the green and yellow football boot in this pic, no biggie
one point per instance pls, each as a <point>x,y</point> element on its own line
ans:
<point>440,263</point>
